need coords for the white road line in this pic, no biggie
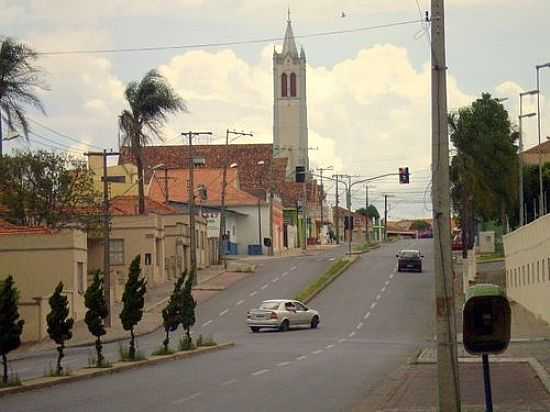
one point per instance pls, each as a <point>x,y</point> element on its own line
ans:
<point>260,372</point>
<point>264,286</point>
<point>332,259</point>
<point>342,340</point>
<point>366,315</point>
<point>229,382</point>
<point>352,334</point>
<point>283,363</point>
<point>391,276</point>
<point>284,274</point>
<point>205,324</point>
<point>240,302</point>
<point>387,282</point>
<point>329,346</point>
<point>188,398</point>
<point>224,312</point>
<point>301,357</point>
<point>383,289</point>
<point>292,268</point>
<point>360,325</point>
<point>252,293</point>
<point>373,304</point>
<point>317,352</point>
<point>378,297</point>
<point>275,280</point>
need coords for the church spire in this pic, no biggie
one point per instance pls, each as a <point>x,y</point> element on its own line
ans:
<point>289,45</point>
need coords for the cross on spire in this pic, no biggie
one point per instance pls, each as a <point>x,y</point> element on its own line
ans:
<point>288,19</point>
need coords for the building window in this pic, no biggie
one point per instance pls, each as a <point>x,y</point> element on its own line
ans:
<point>284,85</point>
<point>116,251</point>
<point>293,84</point>
<point>538,271</point>
<point>147,259</point>
<point>80,278</point>
<point>197,239</point>
<point>157,250</point>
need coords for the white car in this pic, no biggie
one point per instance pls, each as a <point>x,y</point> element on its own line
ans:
<point>282,314</point>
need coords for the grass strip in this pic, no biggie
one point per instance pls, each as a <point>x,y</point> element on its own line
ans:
<point>335,270</point>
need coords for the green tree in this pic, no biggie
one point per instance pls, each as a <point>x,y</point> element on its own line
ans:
<point>97,312</point>
<point>150,101</point>
<point>59,324</point>
<point>187,306</point>
<point>52,189</point>
<point>10,325</point>
<point>19,81</point>
<point>133,300</point>
<point>171,313</point>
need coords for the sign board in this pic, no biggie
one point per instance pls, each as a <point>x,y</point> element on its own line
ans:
<point>213,226</point>
<point>115,179</point>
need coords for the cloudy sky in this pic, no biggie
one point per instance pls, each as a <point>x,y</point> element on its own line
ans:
<point>368,91</point>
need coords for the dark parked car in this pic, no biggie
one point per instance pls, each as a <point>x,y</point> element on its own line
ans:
<point>409,260</point>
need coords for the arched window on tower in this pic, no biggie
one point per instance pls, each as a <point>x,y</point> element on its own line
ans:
<point>293,84</point>
<point>284,85</point>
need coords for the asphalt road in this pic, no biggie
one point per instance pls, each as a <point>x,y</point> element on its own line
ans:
<point>372,320</point>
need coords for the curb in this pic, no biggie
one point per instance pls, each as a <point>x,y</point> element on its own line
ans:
<point>87,373</point>
<point>376,246</point>
<point>352,260</point>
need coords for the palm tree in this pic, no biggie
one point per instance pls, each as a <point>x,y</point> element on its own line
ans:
<point>150,100</point>
<point>19,79</point>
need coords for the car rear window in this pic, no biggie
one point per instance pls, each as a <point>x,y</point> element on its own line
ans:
<point>409,254</point>
<point>269,305</point>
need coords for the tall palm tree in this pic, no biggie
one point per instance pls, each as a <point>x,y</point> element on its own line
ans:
<point>19,79</point>
<point>150,100</point>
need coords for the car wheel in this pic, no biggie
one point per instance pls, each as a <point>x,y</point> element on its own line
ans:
<point>420,269</point>
<point>254,329</point>
<point>284,326</point>
<point>399,268</point>
<point>314,322</point>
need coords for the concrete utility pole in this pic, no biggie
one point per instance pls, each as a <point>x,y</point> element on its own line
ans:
<point>191,200</point>
<point>322,192</point>
<point>541,190</point>
<point>366,214</point>
<point>448,388</point>
<point>337,217</point>
<point>221,249</point>
<point>106,219</point>
<point>304,212</point>
<point>521,117</point>
<point>350,216</point>
<point>385,217</point>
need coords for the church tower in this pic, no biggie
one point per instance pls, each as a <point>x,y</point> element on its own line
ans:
<point>290,137</point>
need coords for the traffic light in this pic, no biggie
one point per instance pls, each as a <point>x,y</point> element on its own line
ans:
<point>403,175</point>
<point>300,174</point>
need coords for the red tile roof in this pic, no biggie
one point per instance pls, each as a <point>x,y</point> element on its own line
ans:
<point>129,205</point>
<point>9,229</point>
<point>544,147</point>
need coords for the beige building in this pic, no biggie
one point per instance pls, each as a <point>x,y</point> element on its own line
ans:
<point>527,252</point>
<point>160,237</point>
<point>123,178</point>
<point>531,156</point>
<point>38,259</point>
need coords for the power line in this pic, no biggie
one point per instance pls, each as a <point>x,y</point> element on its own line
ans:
<point>226,44</point>
<point>63,135</point>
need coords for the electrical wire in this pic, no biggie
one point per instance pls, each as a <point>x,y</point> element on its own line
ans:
<point>73,139</point>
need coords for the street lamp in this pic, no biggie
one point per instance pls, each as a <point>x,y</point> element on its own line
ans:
<point>521,117</point>
<point>538,67</point>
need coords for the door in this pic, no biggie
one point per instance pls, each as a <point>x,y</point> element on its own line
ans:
<point>302,314</point>
<point>292,313</point>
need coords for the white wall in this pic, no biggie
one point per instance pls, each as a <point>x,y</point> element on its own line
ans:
<point>527,252</point>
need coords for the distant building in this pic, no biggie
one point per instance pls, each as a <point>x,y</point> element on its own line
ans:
<point>531,156</point>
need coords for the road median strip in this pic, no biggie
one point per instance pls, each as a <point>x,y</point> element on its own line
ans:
<point>335,270</point>
<point>86,373</point>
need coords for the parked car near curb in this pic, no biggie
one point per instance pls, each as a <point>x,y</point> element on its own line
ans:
<point>409,260</point>
<point>282,314</point>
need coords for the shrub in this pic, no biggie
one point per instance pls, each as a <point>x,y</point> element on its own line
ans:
<point>59,326</point>
<point>10,325</point>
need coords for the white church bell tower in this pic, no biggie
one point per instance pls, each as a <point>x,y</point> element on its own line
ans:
<point>290,138</point>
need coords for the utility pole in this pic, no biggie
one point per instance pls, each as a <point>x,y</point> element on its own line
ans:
<point>304,245</point>
<point>337,211</point>
<point>191,200</point>
<point>350,217</point>
<point>521,117</point>
<point>366,214</point>
<point>106,220</point>
<point>221,246</point>
<point>385,217</point>
<point>321,194</point>
<point>448,388</point>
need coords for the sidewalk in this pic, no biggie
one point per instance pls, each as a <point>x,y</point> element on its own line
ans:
<point>312,250</point>
<point>210,281</point>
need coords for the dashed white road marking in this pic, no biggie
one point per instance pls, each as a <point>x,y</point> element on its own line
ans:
<point>352,334</point>
<point>378,297</point>
<point>253,293</point>
<point>260,372</point>
<point>275,280</point>
<point>383,289</point>
<point>329,346</point>
<point>391,276</point>
<point>224,312</point>
<point>317,352</point>
<point>292,268</point>
<point>341,340</point>
<point>264,286</point>
<point>332,259</point>
<point>366,315</point>
<point>387,282</point>
<point>373,304</point>
<point>229,382</point>
<point>240,302</point>
<point>205,324</point>
<point>284,274</point>
<point>188,398</point>
<point>283,363</point>
<point>360,325</point>
<point>301,357</point>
